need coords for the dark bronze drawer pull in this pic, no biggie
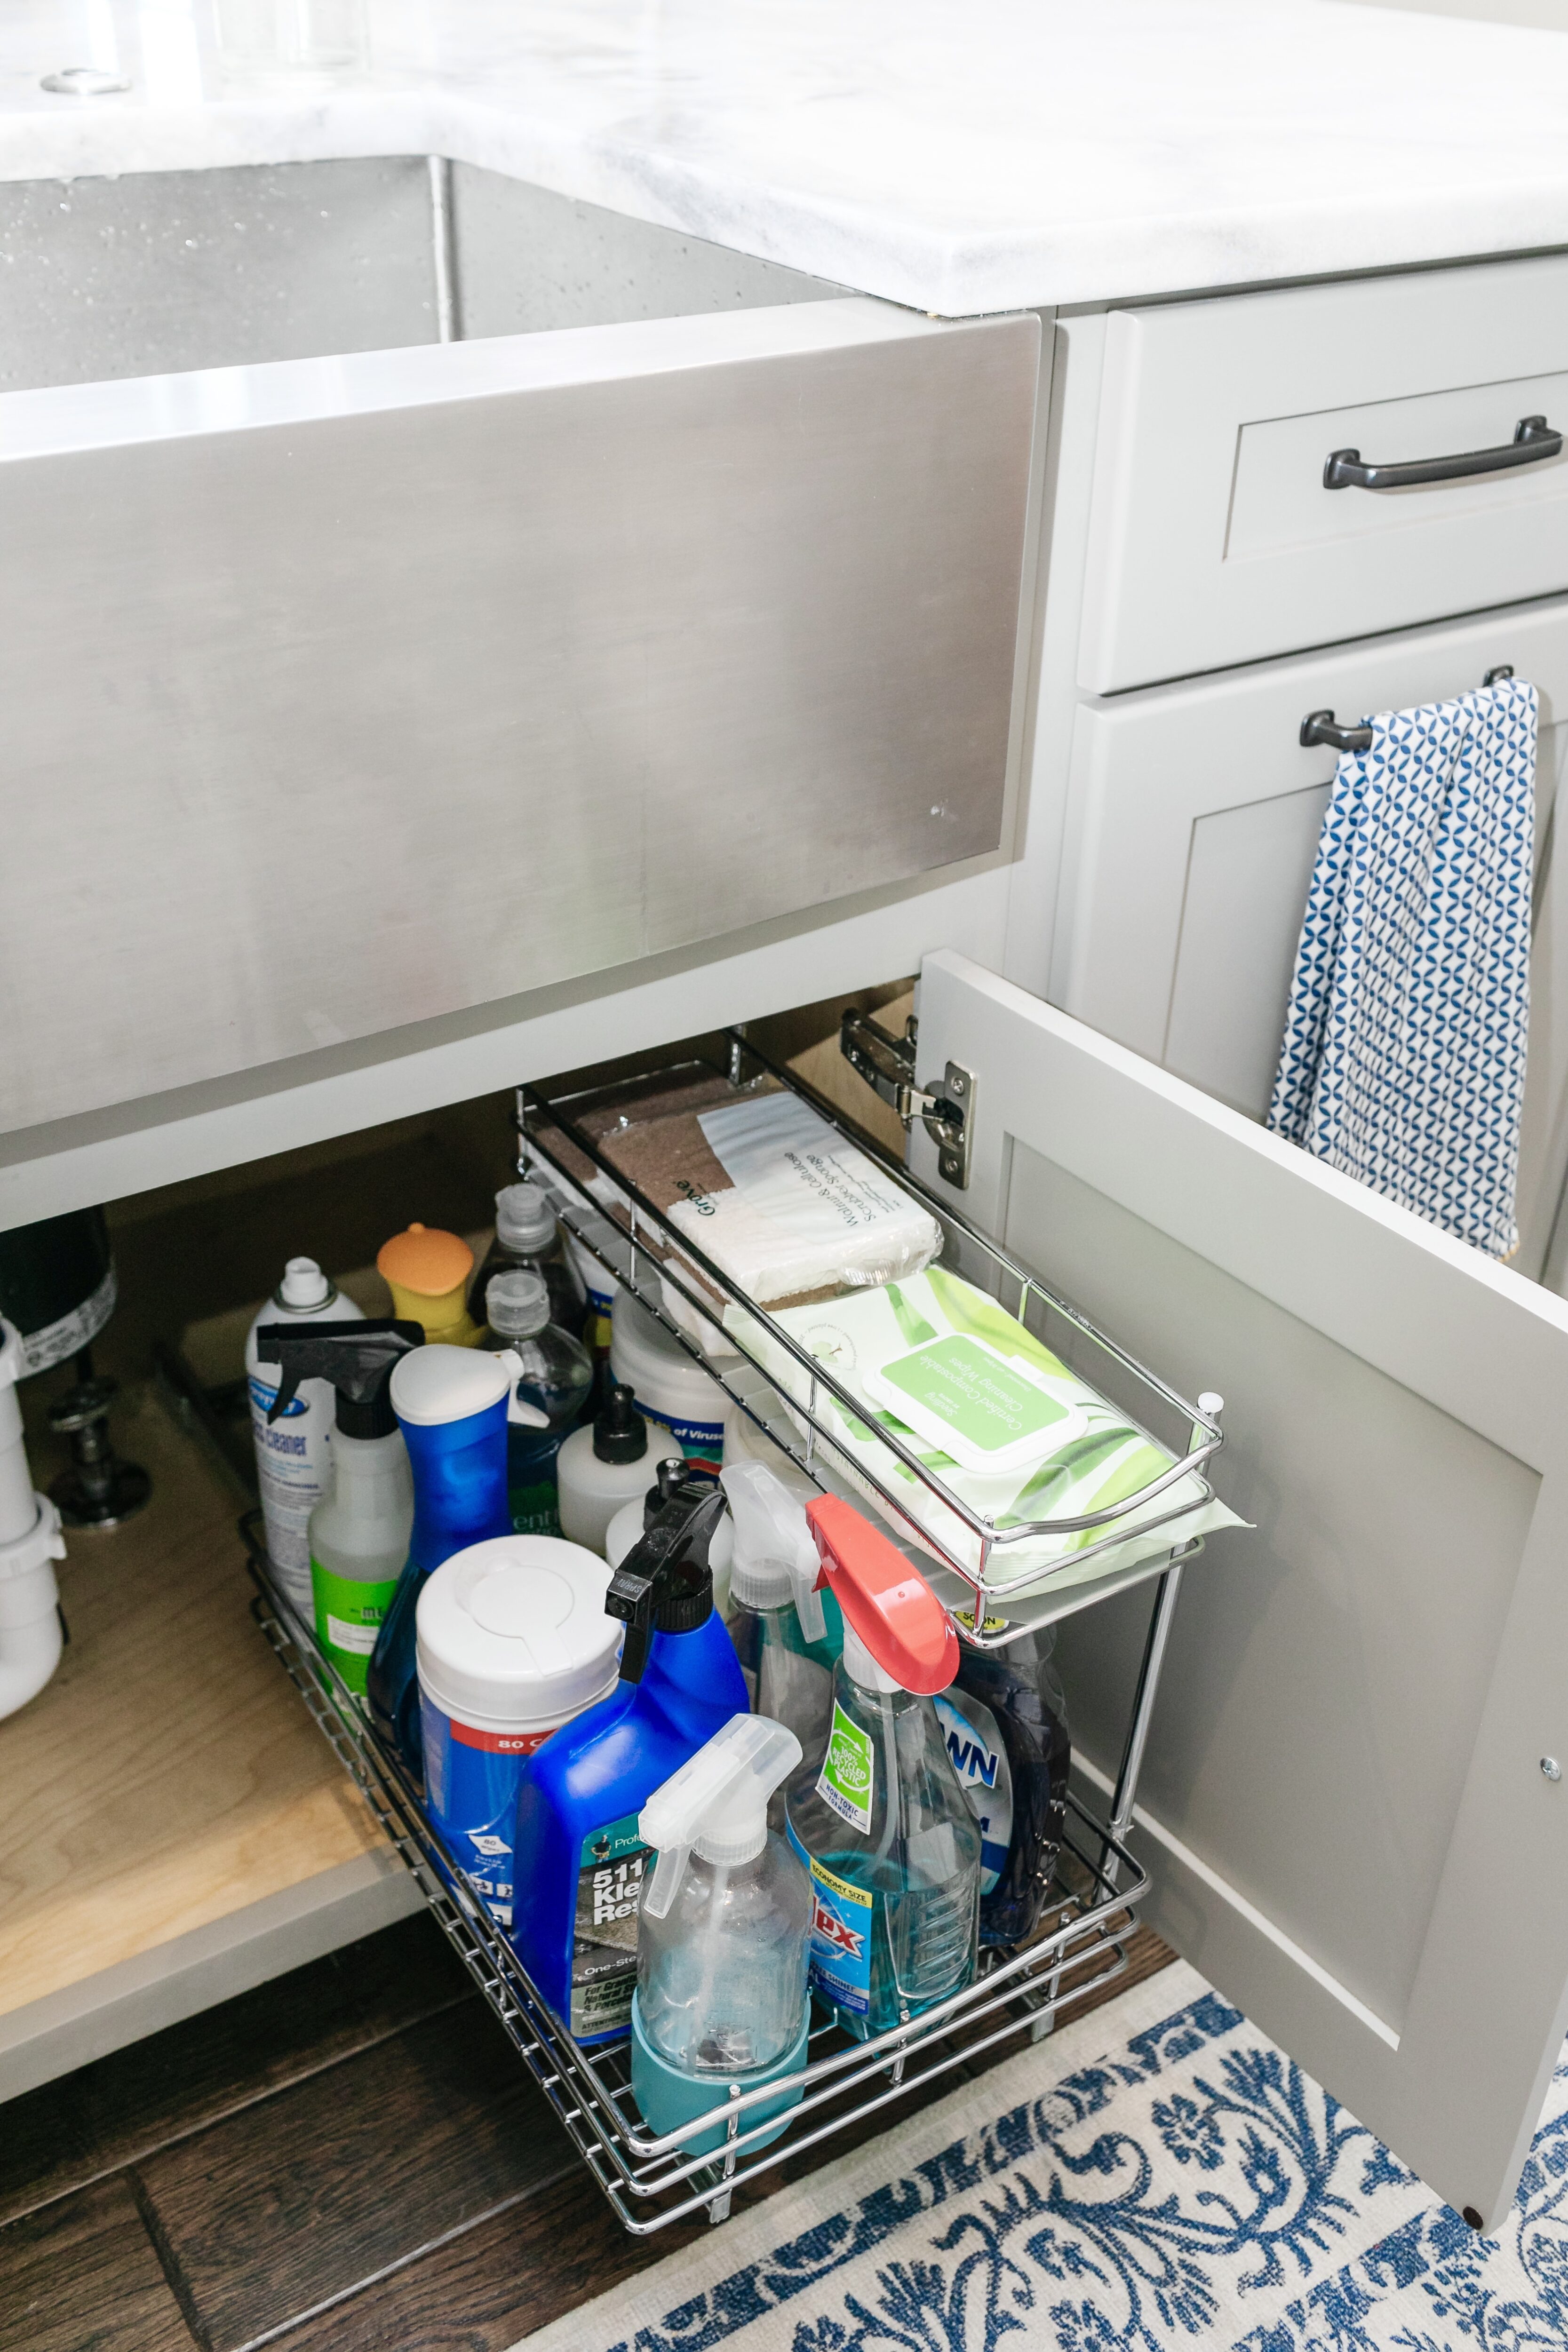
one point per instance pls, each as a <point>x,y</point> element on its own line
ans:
<point>1321,726</point>
<point>1317,726</point>
<point>1534,440</point>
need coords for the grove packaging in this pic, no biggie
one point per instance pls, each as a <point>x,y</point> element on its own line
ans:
<point>1082,1456</point>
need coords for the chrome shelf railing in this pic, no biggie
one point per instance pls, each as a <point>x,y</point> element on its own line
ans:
<point>650,1256</point>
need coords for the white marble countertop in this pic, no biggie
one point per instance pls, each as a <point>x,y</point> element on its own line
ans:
<point>958,156</point>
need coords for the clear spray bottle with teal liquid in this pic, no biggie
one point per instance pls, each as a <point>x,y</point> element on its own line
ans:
<point>451,1406</point>
<point>878,1815</point>
<point>578,1855</point>
<point>723,1942</point>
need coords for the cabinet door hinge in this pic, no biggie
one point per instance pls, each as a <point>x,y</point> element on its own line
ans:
<point>887,1065</point>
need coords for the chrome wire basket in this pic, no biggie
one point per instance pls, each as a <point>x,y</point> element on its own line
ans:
<point>649,2181</point>
<point>989,1607</point>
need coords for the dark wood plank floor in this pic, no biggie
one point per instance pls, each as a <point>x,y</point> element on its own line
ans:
<point>350,2158</point>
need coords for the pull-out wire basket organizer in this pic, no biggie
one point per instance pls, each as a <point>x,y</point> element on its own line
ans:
<point>1088,1915</point>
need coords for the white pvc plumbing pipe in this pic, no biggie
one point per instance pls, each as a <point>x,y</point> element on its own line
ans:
<point>30,1543</point>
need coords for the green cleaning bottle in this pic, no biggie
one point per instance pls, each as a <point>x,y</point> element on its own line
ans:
<point>359,1530</point>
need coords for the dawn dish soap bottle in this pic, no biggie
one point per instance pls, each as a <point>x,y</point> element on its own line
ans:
<point>451,1406</point>
<point>578,1853</point>
<point>723,1941</point>
<point>878,1816</point>
<point>788,1636</point>
<point>554,1375</point>
<point>359,1530</point>
<point>1005,1722</point>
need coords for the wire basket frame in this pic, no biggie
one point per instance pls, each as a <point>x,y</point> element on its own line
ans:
<point>650,2181</point>
<point>998,1612</point>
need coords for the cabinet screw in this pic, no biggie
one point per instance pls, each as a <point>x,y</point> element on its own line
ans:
<point>1551,1768</point>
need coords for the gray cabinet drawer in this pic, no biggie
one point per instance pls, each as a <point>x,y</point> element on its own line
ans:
<point>1213,537</point>
<point>343,693</point>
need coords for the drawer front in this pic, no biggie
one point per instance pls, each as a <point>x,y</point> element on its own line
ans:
<point>1215,538</point>
<point>348,693</point>
<point>1195,821</point>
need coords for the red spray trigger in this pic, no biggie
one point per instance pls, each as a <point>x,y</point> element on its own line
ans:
<point>884,1596</point>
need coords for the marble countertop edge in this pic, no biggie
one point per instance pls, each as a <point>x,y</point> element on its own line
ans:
<point>1095,257</point>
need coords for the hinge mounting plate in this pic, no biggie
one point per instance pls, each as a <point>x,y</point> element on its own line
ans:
<point>887,1065</point>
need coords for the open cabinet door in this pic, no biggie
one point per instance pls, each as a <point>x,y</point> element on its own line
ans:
<point>1344,1803</point>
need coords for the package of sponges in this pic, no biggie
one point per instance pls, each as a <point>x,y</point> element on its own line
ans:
<point>1002,1422</point>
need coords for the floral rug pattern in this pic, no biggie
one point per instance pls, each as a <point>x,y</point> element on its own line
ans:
<point>1190,2188</point>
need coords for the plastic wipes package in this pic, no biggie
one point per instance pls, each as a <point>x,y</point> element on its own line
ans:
<point>789,1208</point>
<point>797,1207</point>
<point>1003,1422</point>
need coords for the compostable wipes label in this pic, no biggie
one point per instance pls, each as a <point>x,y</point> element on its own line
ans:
<point>610,1874</point>
<point>790,1164</point>
<point>848,1772</point>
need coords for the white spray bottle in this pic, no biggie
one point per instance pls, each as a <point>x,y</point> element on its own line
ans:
<point>788,1636</point>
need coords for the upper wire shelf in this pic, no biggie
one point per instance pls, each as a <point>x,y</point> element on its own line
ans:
<point>989,1607</point>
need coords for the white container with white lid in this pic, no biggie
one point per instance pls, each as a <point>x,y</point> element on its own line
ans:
<point>511,1642</point>
<point>669,1387</point>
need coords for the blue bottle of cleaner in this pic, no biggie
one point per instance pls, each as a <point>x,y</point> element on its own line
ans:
<point>1004,1721</point>
<point>578,1855</point>
<point>451,1406</point>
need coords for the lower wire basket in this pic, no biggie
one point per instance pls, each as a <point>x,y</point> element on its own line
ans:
<point>1080,1946</point>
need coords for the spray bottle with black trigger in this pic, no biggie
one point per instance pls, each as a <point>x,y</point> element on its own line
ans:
<point>359,1530</point>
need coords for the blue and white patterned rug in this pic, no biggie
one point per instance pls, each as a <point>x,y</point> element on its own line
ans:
<point>1186,2185</point>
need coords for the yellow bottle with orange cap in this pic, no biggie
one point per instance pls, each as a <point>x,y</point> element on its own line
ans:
<point>427,1271</point>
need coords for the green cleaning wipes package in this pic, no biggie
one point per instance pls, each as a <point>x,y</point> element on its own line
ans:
<point>1003,1422</point>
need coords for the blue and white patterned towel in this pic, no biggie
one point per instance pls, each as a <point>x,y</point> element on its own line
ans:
<point>1403,1054</point>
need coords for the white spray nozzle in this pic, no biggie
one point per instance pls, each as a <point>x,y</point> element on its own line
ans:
<point>776,1557</point>
<point>718,1802</point>
<point>520,1414</point>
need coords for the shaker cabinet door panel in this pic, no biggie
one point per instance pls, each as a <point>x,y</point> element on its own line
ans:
<point>1342,1802</point>
<point>347,693</point>
<point>1195,815</point>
